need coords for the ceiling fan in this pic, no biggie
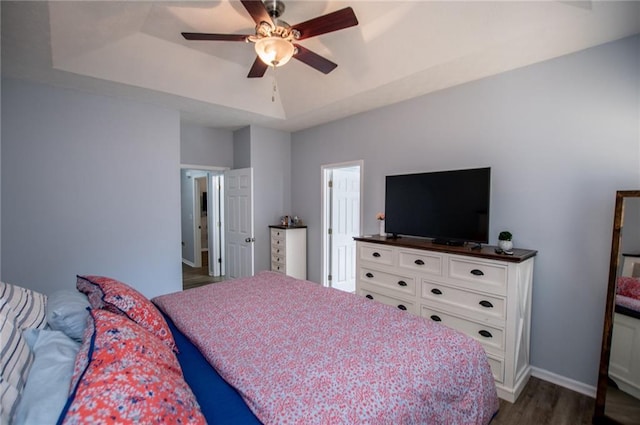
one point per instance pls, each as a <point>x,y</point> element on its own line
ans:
<point>275,40</point>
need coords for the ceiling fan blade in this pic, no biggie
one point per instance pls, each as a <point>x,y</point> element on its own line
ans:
<point>214,37</point>
<point>343,18</point>
<point>314,60</point>
<point>258,11</point>
<point>258,68</point>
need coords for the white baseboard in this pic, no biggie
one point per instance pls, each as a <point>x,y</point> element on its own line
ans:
<point>188,263</point>
<point>563,381</point>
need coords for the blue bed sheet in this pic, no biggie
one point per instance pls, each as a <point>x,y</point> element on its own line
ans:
<point>219,401</point>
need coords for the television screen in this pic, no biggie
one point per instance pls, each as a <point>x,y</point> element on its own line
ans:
<point>451,207</point>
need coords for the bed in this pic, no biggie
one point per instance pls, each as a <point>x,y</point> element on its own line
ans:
<point>266,349</point>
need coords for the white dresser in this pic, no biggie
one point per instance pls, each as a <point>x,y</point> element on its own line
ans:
<point>289,250</point>
<point>481,293</point>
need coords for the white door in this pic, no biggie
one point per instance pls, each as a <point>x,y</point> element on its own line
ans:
<point>238,189</point>
<point>343,221</point>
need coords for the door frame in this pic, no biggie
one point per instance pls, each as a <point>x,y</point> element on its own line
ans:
<point>207,170</point>
<point>326,210</point>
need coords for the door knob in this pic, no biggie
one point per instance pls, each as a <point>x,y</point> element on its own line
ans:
<point>248,240</point>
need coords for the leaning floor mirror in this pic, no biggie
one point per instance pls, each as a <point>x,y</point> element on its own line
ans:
<point>618,393</point>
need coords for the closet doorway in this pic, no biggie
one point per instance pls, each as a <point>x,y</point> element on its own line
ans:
<point>342,218</point>
<point>202,225</point>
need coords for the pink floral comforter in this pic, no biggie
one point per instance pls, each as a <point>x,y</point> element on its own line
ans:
<point>300,353</point>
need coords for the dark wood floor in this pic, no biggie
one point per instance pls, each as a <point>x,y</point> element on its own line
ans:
<point>192,277</point>
<point>544,403</point>
<point>621,406</point>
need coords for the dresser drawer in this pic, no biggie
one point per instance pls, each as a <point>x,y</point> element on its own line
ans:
<point>385,299</point>
<point>422,261</point>
<point>466,302</point>
<point>479,275</point>
<point>490,336</point>
<point>278,249</point>
<point>278,267</point>
<point>497,367</point>
<point>277,234</point>
<point>377,254</point>
<point>278,244</point>
<point>279,258</point>
<point>394,282</point>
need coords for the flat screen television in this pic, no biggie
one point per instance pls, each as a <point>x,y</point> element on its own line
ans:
<point>451,207</point>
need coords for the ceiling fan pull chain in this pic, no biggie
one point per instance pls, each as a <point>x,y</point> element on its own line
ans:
<point>273,93</point>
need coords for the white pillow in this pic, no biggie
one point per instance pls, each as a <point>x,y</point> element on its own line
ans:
<point>47,388</point>
<point>28,305</point>
<point>67,312</point>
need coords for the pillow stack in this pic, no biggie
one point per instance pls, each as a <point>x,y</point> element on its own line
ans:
<point>103,352</point>
<point>126,367</point>
<point>20,309</point>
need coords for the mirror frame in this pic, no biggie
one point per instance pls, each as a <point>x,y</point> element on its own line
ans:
<point>599,416</point>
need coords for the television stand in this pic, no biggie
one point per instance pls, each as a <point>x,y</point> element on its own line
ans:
<point>448,242</point>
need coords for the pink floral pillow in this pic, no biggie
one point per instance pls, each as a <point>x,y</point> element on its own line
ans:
<point>628,287</point>
<point>127,375</point>
<point>117,297</point>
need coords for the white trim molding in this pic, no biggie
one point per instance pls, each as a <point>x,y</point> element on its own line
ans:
<point>563,381</point>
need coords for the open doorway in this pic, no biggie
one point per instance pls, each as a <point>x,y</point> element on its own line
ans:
<point>202,226</point>
<point>342,218</point>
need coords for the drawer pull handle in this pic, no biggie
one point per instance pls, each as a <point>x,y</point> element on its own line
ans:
<point>476,272</point>
<point>485,334</point>
<point>369,275</point>
<point>436,318</point>
<point>369,296</point>
<point>402,283</point>
<point>419,262</point>
<point>436,291</point>
<point>376,254</point>
<point>401,307</point>
<point>485,303</point>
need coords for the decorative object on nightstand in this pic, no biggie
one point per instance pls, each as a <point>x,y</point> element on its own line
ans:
<point>380,218</point>
<point>504,241</point>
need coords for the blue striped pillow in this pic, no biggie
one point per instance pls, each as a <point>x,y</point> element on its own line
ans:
<point>15,361</point>
<point>29,307</point>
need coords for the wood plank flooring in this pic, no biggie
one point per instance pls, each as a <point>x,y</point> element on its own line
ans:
<point>192,277</point>
<point>544,403</point>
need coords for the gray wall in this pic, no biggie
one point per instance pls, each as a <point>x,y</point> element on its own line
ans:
<point>242,148</point>
<point>0,148</point>
<point>186,216</point>
<point>271,163</point>
<point>561,138</point>
<point>206,146</point>
<point>199,146</point>
<point>89,186</point>
<point>268,152</point>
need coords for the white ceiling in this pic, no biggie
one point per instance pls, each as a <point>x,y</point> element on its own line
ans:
<point>399,50</point>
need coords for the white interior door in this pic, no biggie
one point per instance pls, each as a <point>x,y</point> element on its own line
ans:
<point>238,190</point>
<point>344,223</point>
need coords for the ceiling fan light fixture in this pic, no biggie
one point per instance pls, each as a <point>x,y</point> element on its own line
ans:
<point>274,51</point>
